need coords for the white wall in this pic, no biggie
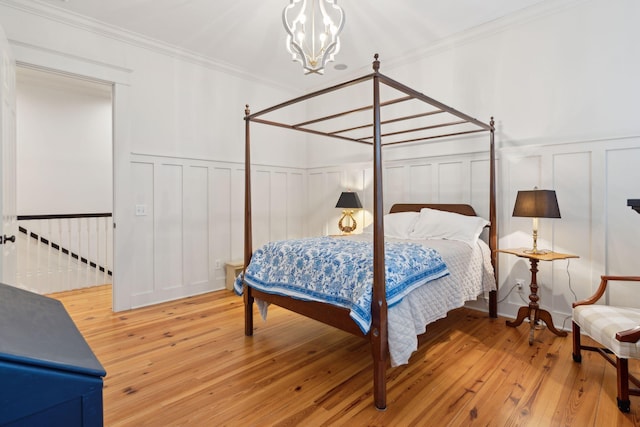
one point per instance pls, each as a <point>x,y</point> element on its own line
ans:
<point>64,147</point>
<point>561,80</point>
<point>195,214</point>
<point>178,133</point>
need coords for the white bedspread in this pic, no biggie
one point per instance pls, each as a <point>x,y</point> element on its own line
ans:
<point>471,275</point>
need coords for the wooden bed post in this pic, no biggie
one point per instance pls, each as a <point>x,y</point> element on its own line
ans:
<point>378,331</point>
<point>248,249</point>
<point>493,229</point>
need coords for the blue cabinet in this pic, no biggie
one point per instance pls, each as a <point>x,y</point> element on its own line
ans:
<point>48,374</point>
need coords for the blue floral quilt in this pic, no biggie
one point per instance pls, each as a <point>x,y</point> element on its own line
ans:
<point>340,271</point>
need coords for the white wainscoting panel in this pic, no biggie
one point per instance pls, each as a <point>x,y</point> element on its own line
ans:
<point>194,221</point>
<point>296,205</point>
<point>451,182</point>
<point>316,185</point>
<point>571,234</point>
<point>623,223</point>
<point>236,211</point>
<point>196,226</point>
<point>592,180</point>
<point>524,171</point>
<point>223,208</point>
<point>278,207</point>
<point>421,182</point>
<point>479,186</point>
<point>261,205</point>
<point>142,282</point>
<point>168,229</point>
<point>396,190</point>
<point>418,180</point>
<point>324,190</point>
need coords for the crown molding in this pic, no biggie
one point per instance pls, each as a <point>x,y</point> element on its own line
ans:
<point>74,20</point>
<point>513,20</point>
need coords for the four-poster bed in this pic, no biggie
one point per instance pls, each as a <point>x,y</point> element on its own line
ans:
<point>406,122</point>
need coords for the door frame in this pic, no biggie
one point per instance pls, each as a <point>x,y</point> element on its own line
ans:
<point>8,222</point>
<point>120,78</point>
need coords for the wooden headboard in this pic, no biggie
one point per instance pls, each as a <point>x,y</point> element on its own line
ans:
<point>415,207</point>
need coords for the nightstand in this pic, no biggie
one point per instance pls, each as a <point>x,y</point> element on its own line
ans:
<point>533,311</point>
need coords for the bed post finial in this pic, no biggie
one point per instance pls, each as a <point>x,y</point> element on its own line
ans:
<point>492,123</point>
<point>376,63</point>
<point>246,109</point>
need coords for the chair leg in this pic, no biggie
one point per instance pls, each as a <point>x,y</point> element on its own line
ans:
<point>577,355</point>
<point>622,368</point>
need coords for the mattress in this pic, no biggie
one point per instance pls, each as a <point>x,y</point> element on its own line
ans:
<point>470,276</point>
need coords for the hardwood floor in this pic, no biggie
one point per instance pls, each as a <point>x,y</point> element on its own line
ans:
<point>188,363</point>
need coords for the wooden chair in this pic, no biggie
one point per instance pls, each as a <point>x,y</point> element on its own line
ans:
<point>617,329</point>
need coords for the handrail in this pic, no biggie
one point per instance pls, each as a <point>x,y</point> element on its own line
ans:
<point>63,216</point>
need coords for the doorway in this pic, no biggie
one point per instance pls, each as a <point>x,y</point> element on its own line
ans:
<point>64,180</point>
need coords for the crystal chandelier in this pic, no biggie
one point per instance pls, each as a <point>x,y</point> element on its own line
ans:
<point>312,29</point>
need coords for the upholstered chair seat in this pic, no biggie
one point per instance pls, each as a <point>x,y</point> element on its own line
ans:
<point>616,329</point>
<point>602,323</point>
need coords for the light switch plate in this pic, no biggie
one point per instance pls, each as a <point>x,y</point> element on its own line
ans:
<point>141,210</point>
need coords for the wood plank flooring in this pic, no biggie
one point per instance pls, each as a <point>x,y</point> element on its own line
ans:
<point>188,362</point>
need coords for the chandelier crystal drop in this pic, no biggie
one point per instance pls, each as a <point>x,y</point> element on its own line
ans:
<point>312,29</point>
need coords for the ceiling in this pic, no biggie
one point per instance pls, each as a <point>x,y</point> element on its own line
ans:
<point>248,35</point>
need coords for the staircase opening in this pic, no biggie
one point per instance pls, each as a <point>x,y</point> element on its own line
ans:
<point>64,180</point>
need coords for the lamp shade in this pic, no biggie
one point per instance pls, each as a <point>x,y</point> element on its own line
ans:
<point>537,204</point>
<point>349,200</point>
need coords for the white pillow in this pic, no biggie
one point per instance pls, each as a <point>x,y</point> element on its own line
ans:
<point>435,224</point>
<point>397,225</point>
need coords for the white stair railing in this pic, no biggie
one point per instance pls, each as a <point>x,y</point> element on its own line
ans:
<point>63,252</point>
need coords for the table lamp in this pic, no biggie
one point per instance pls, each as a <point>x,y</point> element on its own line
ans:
<point>348,201</point>
<point>536,204</point>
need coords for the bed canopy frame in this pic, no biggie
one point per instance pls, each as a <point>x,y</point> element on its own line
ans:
<point>408,127</point>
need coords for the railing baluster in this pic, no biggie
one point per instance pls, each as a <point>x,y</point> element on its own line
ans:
<point>102,222</point>
<point>59,275</point>
<point>76,249</point>
<point>80,266</point>
<point>108,226</point>
<point>69,259</point>
<point>87,266</point>
<point>97,254</point>
<point>48,271</point>
<point>57,264</point>
<point>26,260</point>
<point>38,267</point>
